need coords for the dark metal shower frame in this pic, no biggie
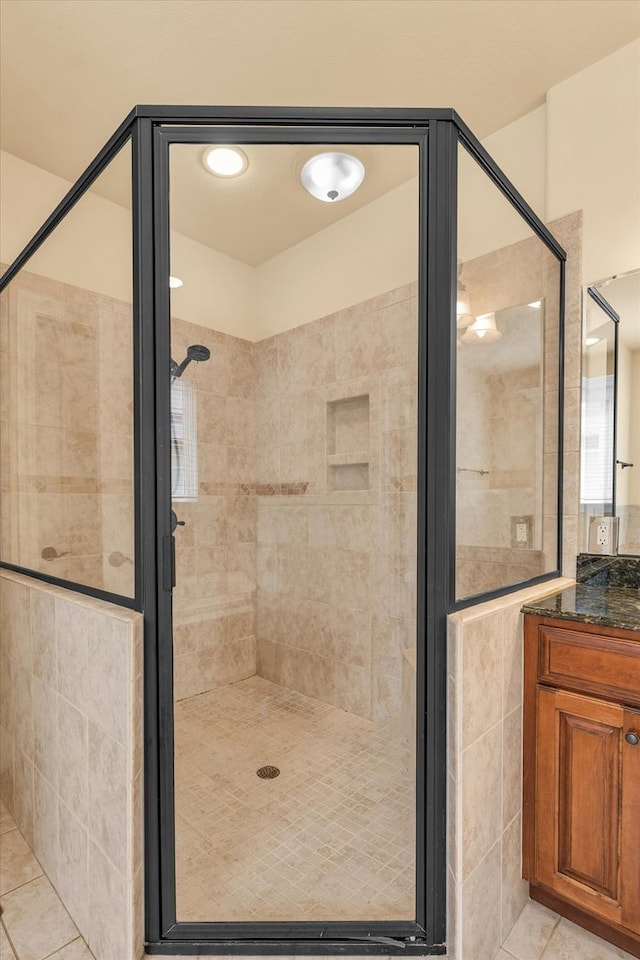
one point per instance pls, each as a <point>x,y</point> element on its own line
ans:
<point>437,132</point>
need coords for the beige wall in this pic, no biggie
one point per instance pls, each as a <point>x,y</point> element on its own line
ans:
<point>71,752</point>
<point>593,158</point>
<point>634,481</point>
<point>218,291</point>
<point>520,149</point>
<point>372,250</point>
<point>73,253</point>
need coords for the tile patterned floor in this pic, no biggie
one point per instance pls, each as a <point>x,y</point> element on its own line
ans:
<point>35,926</point>
<point>330,839</point>
<point>540,934</point>
<point>34,923</point>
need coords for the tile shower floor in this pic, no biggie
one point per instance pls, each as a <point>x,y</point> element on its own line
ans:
<point>331,838</point>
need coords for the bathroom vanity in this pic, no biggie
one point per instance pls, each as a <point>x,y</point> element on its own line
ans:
<point>581,776</point>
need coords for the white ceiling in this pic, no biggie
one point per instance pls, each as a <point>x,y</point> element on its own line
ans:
<point>71,71</point>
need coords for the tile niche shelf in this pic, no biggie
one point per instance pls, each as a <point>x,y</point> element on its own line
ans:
<point>348,443</point>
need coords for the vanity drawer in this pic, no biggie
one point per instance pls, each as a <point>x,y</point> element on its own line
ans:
<point>591,662</point>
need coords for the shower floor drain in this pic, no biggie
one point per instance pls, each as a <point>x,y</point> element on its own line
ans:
<point>268,773</point>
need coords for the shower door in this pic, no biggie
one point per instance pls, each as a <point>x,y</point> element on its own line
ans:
<point>291,396</point>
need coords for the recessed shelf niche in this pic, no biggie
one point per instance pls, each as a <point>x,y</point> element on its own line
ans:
<point>348,443</point>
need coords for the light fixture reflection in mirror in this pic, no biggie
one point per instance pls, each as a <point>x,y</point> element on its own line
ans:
<point>482,330</point>
<point>464,317</point>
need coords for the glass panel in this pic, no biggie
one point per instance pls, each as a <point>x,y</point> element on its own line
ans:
<point>507,392</point>
<point>67,396</point>
<point>294,610</point>
<point>597,446</point>
<point>622,292</point>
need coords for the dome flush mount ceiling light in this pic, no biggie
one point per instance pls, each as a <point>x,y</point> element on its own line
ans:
<point>332,176</point>
<point>225,161</point>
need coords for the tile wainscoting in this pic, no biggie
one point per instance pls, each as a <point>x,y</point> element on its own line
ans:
<point>71,752</point>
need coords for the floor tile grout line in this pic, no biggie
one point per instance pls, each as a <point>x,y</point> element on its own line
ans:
<point>26,882</point>
<point>53,887</point>
<point>11,943</point>
<point>550,937</point>
<point>62,946</point>
<point>78,935</point>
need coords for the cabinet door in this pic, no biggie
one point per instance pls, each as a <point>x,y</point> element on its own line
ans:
<point>630,822</point>
<point>587,841</point>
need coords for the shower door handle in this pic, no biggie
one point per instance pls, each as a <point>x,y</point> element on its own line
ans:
<point>175,522</point>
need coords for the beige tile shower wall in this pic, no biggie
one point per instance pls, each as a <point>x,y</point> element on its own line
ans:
<point>67,456</point>
<point>485,889</point>
<point>214,600</point>
<point>519,274</point>
<point>115,444</point>
<point>568,230</point>
<point>71,752</point>
<point>336,473</point>
<point>501,432</point>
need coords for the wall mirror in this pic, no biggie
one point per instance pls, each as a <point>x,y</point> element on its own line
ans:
<point>610,432</point>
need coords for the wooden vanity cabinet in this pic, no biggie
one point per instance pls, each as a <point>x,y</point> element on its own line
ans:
<point>581,774</point>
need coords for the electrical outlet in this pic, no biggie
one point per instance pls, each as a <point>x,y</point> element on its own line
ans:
<point>603,535</point>
<point>522,532</point>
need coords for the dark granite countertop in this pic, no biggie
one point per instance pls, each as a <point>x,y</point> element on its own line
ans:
<point>609,595</point>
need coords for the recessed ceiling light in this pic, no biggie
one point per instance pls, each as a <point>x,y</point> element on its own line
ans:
<point>175,282</point>
<point>225,161</point>
<point>332,176</point>
<point>536,304</point>
<point>591,340</point>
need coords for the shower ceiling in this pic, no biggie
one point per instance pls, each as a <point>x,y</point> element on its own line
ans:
<point>224,214</point>
<point>71,71</point>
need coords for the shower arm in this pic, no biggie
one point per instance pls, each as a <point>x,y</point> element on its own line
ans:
<point>177,369</point>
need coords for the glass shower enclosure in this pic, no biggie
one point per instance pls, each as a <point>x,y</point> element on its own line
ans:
<point>313,424</point>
